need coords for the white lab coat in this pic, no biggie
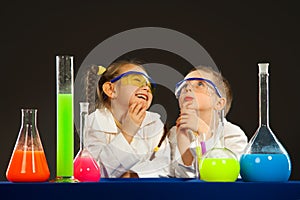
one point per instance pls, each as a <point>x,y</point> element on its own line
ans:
<point>234,139</point>
<point>116,156</point>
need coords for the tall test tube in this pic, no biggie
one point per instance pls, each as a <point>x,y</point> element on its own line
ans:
<point>65,119</point>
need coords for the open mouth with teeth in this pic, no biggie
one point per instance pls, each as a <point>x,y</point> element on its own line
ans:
<point>142,96</point>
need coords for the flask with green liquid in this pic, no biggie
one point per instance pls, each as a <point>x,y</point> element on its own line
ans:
<point>219,164</point>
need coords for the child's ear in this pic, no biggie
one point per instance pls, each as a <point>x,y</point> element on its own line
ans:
<point>108,89</point>
<point>221,102</point>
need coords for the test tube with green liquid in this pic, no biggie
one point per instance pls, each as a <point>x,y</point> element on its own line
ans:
<point>65,119</point>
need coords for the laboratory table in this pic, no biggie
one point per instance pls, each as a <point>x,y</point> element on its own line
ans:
<point>154,189</point>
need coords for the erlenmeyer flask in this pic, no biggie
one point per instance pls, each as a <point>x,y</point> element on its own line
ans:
<point>28,162</point>
<point>86,168</point>
<point>265,159</point>
<point>219,164</point>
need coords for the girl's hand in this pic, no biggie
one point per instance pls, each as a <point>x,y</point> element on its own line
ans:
<point>133,120</point>
<point>137,112</point>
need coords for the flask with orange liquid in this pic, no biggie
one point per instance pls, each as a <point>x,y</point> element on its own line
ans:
<point>28,161</point>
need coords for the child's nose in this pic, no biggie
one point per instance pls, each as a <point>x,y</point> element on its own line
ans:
<point>188,87</point>
<point>145,87</point>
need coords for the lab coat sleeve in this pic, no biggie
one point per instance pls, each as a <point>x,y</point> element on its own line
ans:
<point>160,165</point>
<point>177,168</point>
<point>116,157</point>
<point>182,170</point>
<point>235,139</point>
<point>156,168</point>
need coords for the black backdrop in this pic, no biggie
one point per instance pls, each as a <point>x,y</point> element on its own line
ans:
<point>237,36</point>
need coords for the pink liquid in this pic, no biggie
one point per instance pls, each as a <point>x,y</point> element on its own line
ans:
<point>86,169</point>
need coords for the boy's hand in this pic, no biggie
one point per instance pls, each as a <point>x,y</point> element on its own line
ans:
<point>189,119</point>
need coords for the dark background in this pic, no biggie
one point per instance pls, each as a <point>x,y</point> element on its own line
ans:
<point>237,36</point>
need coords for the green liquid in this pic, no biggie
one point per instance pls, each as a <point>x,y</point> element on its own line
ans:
<point>65,136</point>
<point>219,169</point>
<point>199,154</point>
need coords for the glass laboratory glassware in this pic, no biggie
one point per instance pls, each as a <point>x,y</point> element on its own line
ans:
<point>65,120</point>
<point>219,164</point>
<point>86,168</point>
<point>200,149</point>
<point>264,158</point>
<point>28,161</point>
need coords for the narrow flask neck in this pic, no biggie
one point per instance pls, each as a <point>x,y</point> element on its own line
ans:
<point>29,117</point>
<point>264,99</point>
<point>83,121</point>
<point>222,125</point>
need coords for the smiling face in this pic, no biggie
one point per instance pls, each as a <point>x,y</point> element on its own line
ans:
<point>128,92</point>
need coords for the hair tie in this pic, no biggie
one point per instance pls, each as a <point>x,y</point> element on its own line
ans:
<point>101,70</point>
<point>156,149</point>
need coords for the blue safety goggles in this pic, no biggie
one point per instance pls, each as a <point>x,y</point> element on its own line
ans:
<point>198,85</point>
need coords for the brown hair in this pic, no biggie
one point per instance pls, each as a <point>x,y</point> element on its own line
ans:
<point>229,95</point>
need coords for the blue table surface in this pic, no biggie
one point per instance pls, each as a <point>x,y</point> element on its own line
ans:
<point>151,188</point>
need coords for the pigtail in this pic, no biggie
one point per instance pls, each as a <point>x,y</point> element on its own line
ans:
<point>92,87</point>
<point>163,137</point>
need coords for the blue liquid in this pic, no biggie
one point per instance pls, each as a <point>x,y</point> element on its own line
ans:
<point>265,167</point>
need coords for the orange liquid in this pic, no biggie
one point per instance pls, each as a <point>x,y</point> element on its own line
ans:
<point>28,166</point>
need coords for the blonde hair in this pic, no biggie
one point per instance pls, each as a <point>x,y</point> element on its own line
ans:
<point>216,76</point>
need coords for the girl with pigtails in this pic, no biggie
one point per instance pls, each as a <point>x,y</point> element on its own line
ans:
<point>125,139</point>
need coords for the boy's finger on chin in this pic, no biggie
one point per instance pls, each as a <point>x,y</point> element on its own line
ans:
<point>185,104</point>
<point>187,107</point>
